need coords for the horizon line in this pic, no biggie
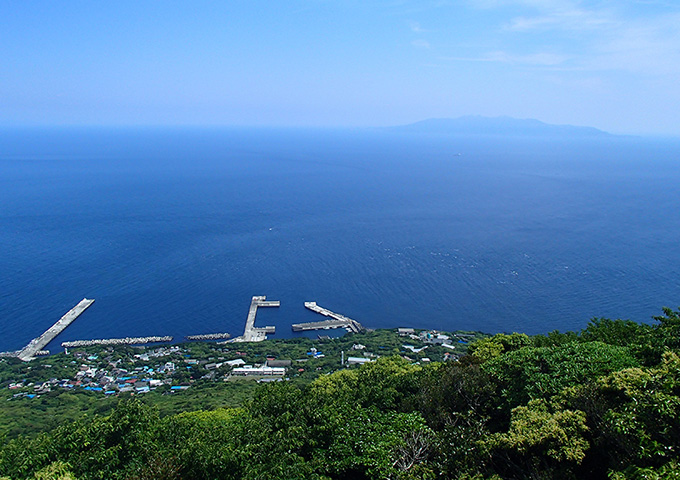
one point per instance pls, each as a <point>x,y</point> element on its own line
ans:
<point>95,125</point>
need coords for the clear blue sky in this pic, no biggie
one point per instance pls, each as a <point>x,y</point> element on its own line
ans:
<point>612,64</point>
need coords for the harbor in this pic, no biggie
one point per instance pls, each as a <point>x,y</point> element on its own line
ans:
<point>251,333</point>
<point>38,344</point>
<point>336,321</point>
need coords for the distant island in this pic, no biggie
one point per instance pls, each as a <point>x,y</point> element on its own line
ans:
<point>478,125</point>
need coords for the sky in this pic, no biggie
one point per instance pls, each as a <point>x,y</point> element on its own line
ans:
<point>614,65</point>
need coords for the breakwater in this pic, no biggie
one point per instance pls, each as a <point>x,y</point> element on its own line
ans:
<point>38,344</point>
<point>117,341</point>
<point>321,325</point>
<point>251,332</point>
<point>336,321</point>
<point>209,336</point>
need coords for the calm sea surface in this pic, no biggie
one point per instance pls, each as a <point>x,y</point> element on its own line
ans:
<point>173,231</point>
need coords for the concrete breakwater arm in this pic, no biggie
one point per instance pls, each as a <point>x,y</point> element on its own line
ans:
<point>337,320</point>
<point>117,341</point>
<point>208,336</point>
<point>322,325</point>
<point>37,344</point>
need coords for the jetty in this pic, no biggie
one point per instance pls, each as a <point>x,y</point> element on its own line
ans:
<point>36,345</point>
<point>208,336</point>
<point>336,321</point>
<point>117,341</point>
<point>251,332</point>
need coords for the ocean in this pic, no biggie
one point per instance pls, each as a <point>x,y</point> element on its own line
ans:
<point>173,230</point>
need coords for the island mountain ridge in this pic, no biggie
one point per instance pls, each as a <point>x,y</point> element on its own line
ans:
<point>480,125</point>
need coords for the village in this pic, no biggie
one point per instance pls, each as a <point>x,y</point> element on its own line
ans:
<point>172,369</point>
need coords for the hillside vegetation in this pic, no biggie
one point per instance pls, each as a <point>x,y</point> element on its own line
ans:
<point>602,403</point>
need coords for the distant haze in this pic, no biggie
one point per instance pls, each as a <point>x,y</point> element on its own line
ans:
<point>609,64</point>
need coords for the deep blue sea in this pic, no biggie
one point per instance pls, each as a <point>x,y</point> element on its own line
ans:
<point>172,231</point>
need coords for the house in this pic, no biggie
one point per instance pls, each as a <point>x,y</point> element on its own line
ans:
<point>450,356</point>
<point>235,363</point>
<point>405,332</point>
<point>414,349</point>
<point>434,337</point>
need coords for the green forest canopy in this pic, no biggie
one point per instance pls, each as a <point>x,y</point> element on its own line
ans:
<point>603,403</point>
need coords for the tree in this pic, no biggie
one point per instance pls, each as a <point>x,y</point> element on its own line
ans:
<point>535,373</point>
<point>616,332</point>
<point>543,441</point>
<point>633,417</point>
<point>554,338</point>
<point>387,384</point>
<point>55,471</point>
<point>668,329</point>
<point>491,347</point>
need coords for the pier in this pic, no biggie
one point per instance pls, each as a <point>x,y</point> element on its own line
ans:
<point>251,332</point>
<point>117,341</point>
<point>36,345</point>
<point>336,321</point>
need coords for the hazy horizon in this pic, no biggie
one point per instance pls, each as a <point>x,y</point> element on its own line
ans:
<point>479,130</point>
<point>609,65</point>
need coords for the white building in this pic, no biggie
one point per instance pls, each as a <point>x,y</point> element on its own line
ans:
<point>357,360</point>
<point>235,363</point>
<point>250,370</point>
